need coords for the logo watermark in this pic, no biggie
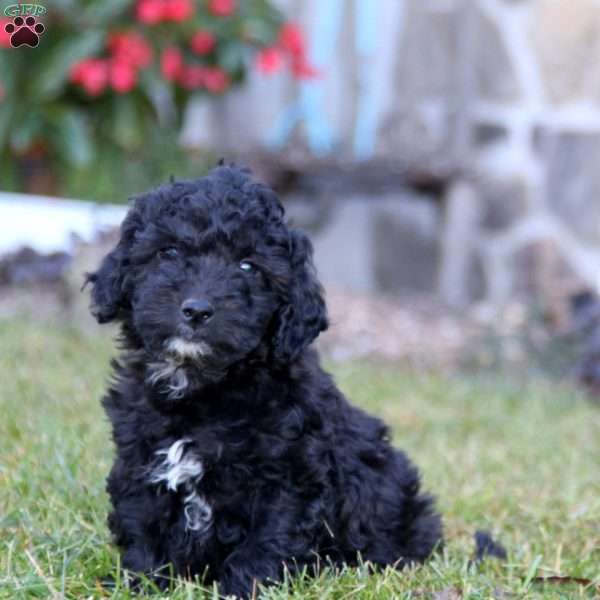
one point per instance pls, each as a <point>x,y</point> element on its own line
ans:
<point>25,29</point>
<point>25,10</point>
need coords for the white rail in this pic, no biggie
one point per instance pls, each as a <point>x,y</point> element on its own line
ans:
<point>52,224</point>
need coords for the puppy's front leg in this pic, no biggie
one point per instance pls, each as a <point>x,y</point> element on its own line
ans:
<point>247,569</point>
<point>243,587</point>
<point>140,558</point>
<point>140,565</point>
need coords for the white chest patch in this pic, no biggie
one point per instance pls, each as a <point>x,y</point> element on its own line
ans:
<point>181,470</point>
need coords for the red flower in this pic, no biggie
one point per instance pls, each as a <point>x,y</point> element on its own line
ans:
<point>216,80</point>
<point>269,60</point>
<point>292,39</point>
<point>91,74</point>
<point>150,12</point>
<point>203,42</point>
<point>123,76</point>
<point>171,64</point>
<point>178,10</point>
<point>131,48</point>
<point>4,37</point>
<point>302,69</point>
<point>192,76</point>
<point>222,8</point>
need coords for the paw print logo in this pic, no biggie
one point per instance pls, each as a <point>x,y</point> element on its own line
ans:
<point>24,32</point>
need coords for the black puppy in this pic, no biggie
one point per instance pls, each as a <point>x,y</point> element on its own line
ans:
<point>237,456</point>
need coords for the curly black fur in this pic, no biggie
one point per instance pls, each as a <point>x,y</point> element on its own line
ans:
<point>237,456</point>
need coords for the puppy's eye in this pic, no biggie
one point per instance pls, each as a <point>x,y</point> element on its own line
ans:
<point>246,266</point>
<point>168,252</point>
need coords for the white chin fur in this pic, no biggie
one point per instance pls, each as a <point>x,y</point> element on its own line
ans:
<point>171,374</point>
<point>171,370</point>
<point>183,349</point>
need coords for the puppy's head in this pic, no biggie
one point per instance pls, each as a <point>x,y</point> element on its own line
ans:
<point>206,275</point>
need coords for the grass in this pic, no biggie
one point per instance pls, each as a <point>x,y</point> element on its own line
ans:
<point>521,460</point>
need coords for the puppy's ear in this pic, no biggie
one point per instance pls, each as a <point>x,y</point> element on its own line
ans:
<point>303,315</point>
<point>109,295</point>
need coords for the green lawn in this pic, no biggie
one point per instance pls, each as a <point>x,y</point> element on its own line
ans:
<point>523,461</point>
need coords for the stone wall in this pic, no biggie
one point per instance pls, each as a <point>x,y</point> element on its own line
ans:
<point>535,147</point>
<point>505,93</point>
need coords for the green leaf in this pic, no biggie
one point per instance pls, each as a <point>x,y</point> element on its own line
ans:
<point>25,133</point>
<point>62,6</point>
<point>231,57</point>
<point>260,32</point>
<point>127,125</point>
<point>8,71</point>
<point>71,137</point>
<point>105,11</point>
<point>53,69</point>
<point>160,95</point>
<point>8,172</point>
<point>7,119</point>
<point>7,104</point>
<point>533,569</point>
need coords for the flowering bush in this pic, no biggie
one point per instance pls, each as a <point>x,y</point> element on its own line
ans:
<point>113,69</point>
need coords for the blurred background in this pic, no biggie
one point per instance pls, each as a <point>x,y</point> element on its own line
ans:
<point>444,157</point>
<point>442,154</point>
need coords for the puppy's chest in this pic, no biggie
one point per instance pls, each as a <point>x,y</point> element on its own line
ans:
<point>205,477</point>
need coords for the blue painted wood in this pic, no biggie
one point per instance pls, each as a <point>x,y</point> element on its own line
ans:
<point>308,106</point>
<point>365,127</point>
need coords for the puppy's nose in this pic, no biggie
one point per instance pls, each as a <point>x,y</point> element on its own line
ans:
<point>197,310</point>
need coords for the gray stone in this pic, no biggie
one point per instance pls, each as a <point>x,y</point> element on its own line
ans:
<point>423,80</point>
<point>458,241</point>
<point>489,133</point>
<point>495,74</point>
<point>429,50</point>
<point>540,270</point>
<point>311,214</point>
<point>565,36</point>
<point>502,203</point>
<point>405,234</point>
<point>540,137</point>
<point>374,243</point>
<point>476,282</point>
<point>343,249</point>
<point>524,266</point>
<point>573,182</point>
